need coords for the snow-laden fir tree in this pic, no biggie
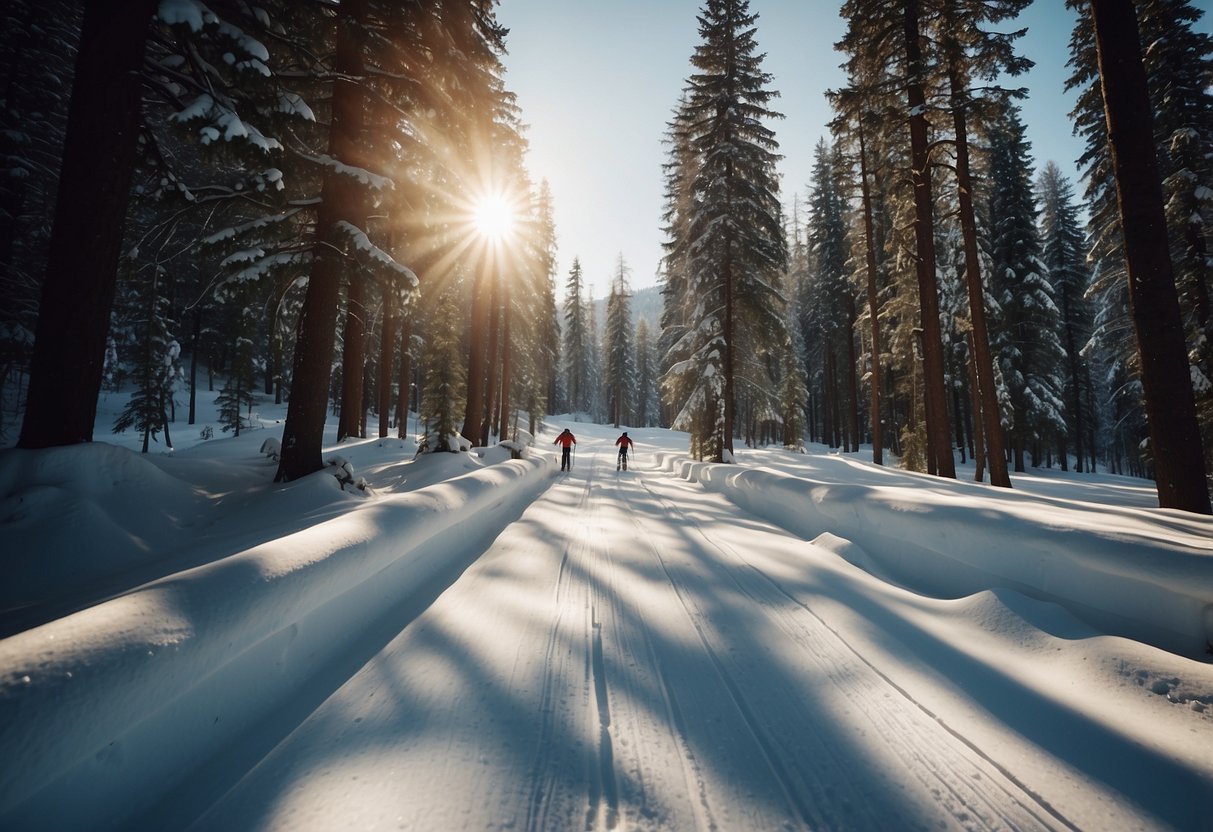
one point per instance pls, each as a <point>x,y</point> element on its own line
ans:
<point>540,313</point>
<point>577,344</point>
<point>620,370</point>
<point>826,303</point>
<point>1026,332</point>
<point>593,364</point>
<point>238,395</point>
<point>155,370</point>
<point>734,242</point>
<point>444,375</point>
<point>676,300</point>
<point>793,388</point>
<point>1064,254</point>
<point>648,399</point>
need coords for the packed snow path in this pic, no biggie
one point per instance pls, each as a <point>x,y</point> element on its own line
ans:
<point>766,645</point>
<point>635,654</point>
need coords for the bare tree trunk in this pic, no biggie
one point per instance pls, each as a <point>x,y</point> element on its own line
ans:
<point>986,402</point>
<point>404,393</point>
<point>387,352</point>
<point>1170,405</point>
<point>195,341</point>
<point>852,377</point>
<point>341,199</point>
<point>504,399</point>
<point>958,410</point>
<point>473,413</point>
<point>488,420</point>
<point>729,332</point>
<point>979,439</point>
<point>873,299</point>
<point>99,155</point>
<point>939,456</point>
<point>352,358</point>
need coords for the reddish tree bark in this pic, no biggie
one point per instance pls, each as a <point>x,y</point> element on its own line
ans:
<point>387,352</point>
<point>1170,404</point>
<point>939,439</point>
<point>473,412</point>
<point>873,297</point>
<point>353,358</point>
<point>986,398</point>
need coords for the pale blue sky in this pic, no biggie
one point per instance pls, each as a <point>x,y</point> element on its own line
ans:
<point>597,82</point>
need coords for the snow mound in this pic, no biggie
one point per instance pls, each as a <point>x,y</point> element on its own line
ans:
<point>99,499</point>
<point>86,700</point>
<point>1153,585</point>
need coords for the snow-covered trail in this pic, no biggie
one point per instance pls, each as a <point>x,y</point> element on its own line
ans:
<point>636,653</point>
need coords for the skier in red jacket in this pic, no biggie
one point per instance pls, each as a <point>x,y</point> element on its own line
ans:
<point>566,440</point>
<point>624,443</point>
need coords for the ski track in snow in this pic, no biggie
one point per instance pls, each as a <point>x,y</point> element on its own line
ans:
<point>680,685</point>
<point>636,652</point>
<point>966,786</point>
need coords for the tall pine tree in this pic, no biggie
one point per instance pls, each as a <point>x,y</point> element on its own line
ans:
<point>1025,339</point>
<point>733,243</point>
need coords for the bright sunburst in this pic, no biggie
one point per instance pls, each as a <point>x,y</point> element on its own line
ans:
<point>494,217</point>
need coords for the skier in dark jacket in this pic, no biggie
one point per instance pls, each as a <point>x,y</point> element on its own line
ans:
<point>624,444</point>
<point>566,441</point>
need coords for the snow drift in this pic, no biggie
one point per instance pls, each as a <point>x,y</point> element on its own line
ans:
<point>86,701</point>
<point>1158,590</point>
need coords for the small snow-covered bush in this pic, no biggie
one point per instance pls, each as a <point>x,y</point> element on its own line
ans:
<point>341,468</point>
<point>272,448</point>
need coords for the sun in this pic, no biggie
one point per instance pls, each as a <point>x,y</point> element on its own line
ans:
<point>494,217</point>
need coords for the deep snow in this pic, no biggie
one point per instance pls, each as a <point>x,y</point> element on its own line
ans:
<point>476,642</point>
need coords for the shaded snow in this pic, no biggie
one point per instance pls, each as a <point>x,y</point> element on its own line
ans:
<point>794,641</point>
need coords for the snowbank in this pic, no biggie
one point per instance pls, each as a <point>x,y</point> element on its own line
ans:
<point>87,701</point>
<point>56,501</point>
<point>1151,585</point>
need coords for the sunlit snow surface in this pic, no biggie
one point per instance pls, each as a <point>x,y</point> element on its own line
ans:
<point>475,642</point>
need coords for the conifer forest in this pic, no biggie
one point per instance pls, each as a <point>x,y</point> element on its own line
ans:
<point>328,205</point>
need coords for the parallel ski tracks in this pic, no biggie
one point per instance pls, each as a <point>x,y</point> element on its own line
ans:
<point>598,632</point>
<point>573,639</point>
<point>966,782</point>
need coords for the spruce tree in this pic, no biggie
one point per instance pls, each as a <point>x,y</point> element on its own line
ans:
<point>826,302</point>
<point>577,343</point>
<point>1026,330</point>
<point>734,243</point>
<point>648,372</point>
<point>155,369</point>
<point>620,375</point>
<point>1064,256</point>
<point>793,390</point>
<point>445,379</point>
<point>38,40</point>
<point>677,301</point>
